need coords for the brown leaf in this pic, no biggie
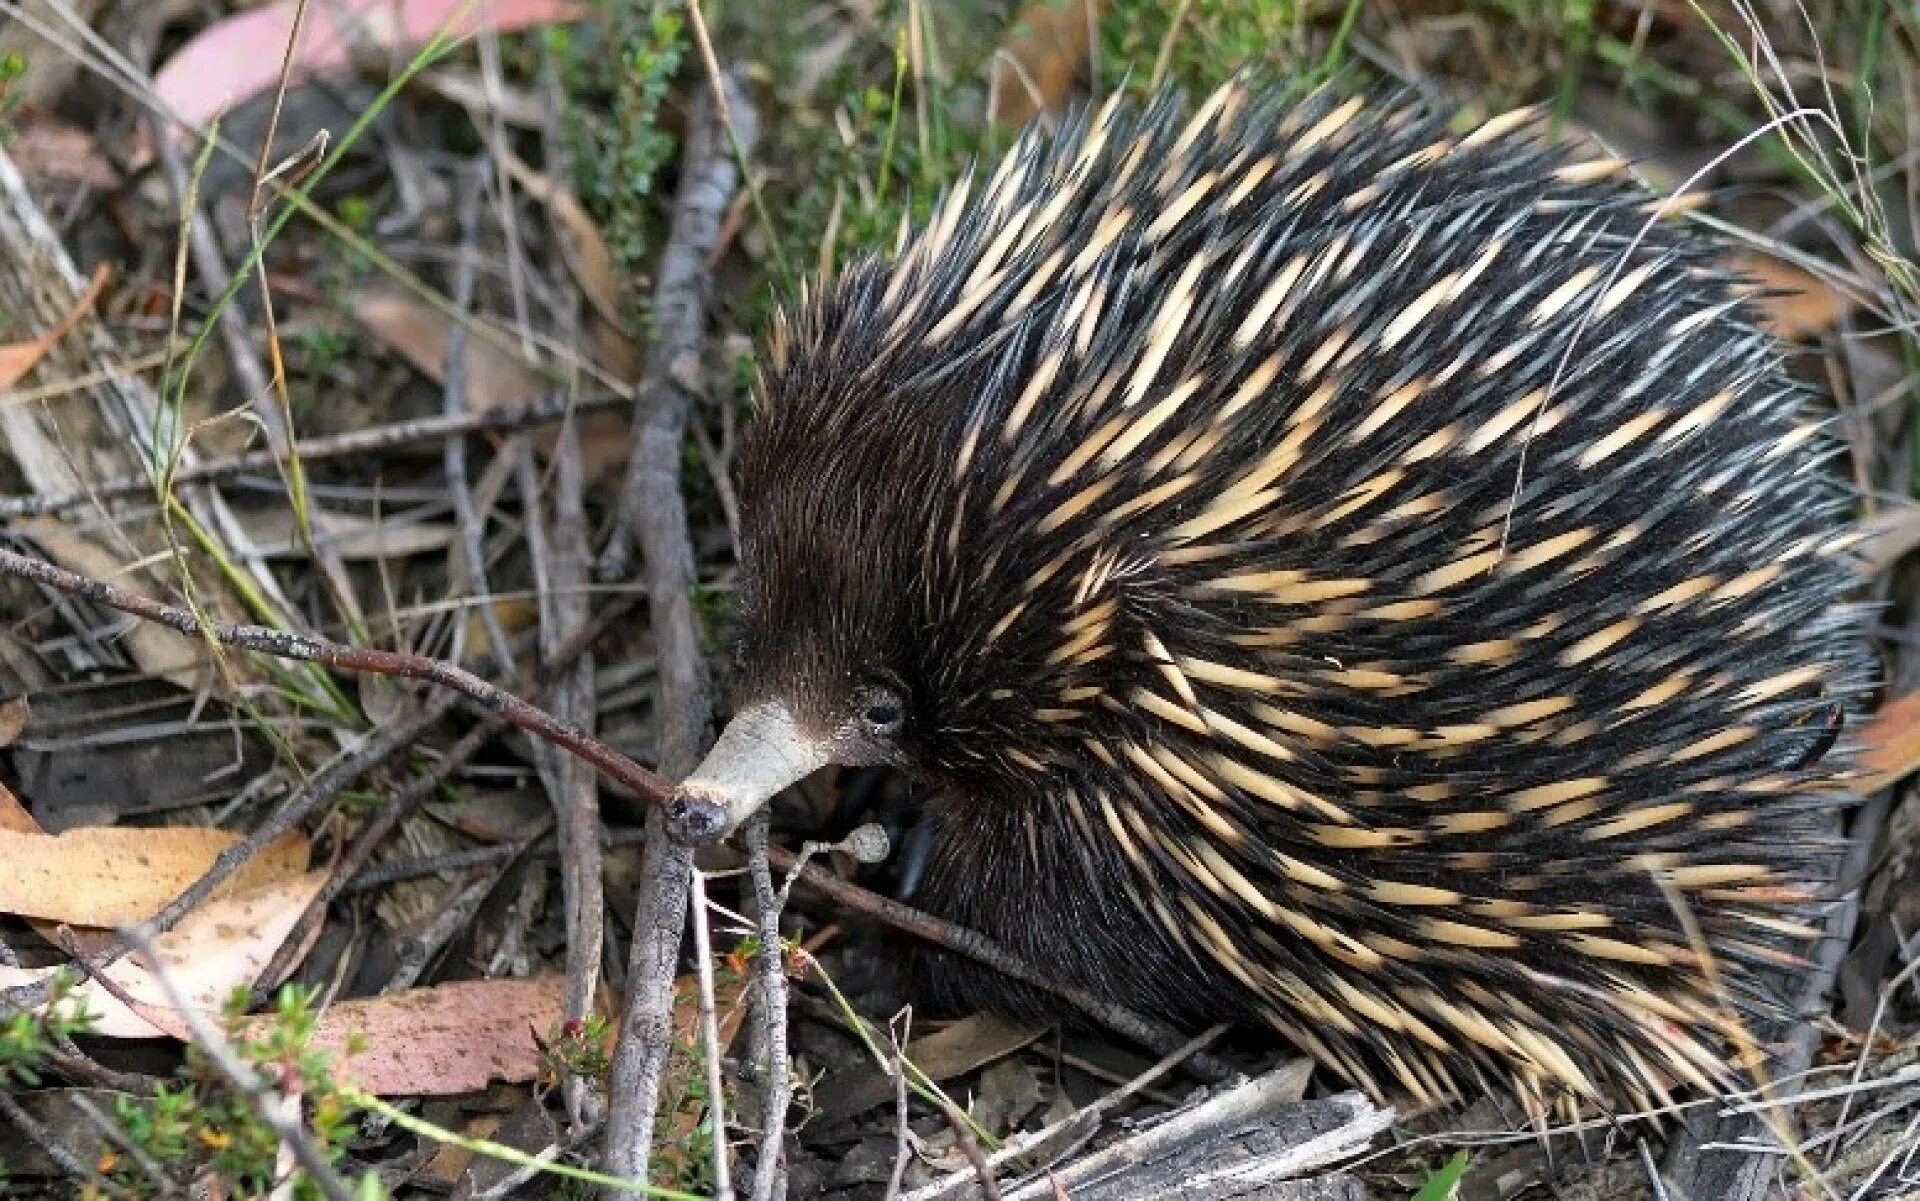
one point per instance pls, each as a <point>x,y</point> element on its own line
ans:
<point>589,260</point>
<point>110,876</point>
<point>418,334</point>
<point>1040,57</point>
<point>452,1038</point>
<point>18,358</point>
<point>1890,743</point>
<point>218,947</point>
<point>1804,303</point>
<point>14,815</point>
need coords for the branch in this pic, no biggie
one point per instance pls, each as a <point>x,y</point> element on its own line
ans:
<point>311,648</point>
<point>653,509</point>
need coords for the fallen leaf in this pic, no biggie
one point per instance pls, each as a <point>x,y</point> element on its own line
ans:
<point>223,944</point>
<point>14,712</point>
<point>450,1160</point>
<point>236,59</point>
<point>1038,61</point>
<point>452,1038</point>
<point>589,259</point>
<point>109,876</point>
<point>418,334</point>
<point>1890,743</point>
<point>18,358</point>
<point>55,150</point>
<point>14,815</point>
<point>1792,303</point>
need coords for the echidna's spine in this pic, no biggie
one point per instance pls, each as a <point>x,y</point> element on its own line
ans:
<point>1347,571</point>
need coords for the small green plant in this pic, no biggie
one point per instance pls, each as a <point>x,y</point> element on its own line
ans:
<point>1138,42</point>
<point>578,1048</point>
<point>200,1123</point>
<point>616,71</point>
<point>13,68</point>
<point>1441,1183</point>
<point>27,1037</point>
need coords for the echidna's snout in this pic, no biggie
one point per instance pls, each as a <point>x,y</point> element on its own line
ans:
<point>762,751</point>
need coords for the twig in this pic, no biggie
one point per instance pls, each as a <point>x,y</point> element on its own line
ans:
<point>1255,1102</point>
<point>110,1130</point>
<point>575,791</point>
<point>332,446</point>
<point>1082,1122</point>
<point>646,1027</point>
<point>710,1037</point>
<point>67,1057</point>
<point>268,1104</point>
<point>650,787</point>
<point>453,453</point>
<point>770,1016</point>
<point>969,1147</point>
<point>314,649</point>
<point>417,790</point>
<point>903,1147</point>
<point>506,1185</point>
<point>652,510</point>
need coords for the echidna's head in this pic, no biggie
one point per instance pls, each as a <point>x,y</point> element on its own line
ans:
<point>830,662</point>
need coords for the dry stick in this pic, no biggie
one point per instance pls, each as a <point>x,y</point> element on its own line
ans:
<point>903,1149</point>
<point>710,1037</point>
<point>332,446</point>
<point>646,1026</point>
<point>334,775</point>
<point>427,783</point>
<point>657,927</point>
<point>969,1147</point>
<point>269,1105</point>
<point>110,1130</point>
<point>653,509</point>
<point>770,1016</point>
<point>453,454</point>
<point>575,791</point>
<point>1081,1123</point>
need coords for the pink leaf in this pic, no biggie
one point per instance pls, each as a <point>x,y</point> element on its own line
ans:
<point>239,58</point>
<point>454,1038</point>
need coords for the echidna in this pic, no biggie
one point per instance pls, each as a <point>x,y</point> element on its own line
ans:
<point>1333,571</point>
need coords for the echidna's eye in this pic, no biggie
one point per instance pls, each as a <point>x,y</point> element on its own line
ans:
<point>881,712</point>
